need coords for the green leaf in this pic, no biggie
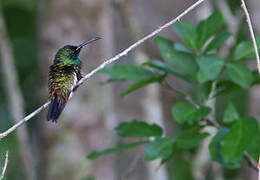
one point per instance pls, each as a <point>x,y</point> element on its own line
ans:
<point>209,27</point>
<point>127,71</point>
<point>158,65</point>
<point>218,41</point>
<point>182,169</point>
<point>226,87</point>
<point>205,90</point>
<point>180,47</point>
<point>240,74</point>
<point>254,148</point>
<point>142,83</point>
<point>231,114</point>
<point>239,138</point>
<point>188,34</point>
<point>210,67</point>
<point>125,147</point>
<point>215,147</point>
<point>190,138</point>
<point>185,112</point>
<point>138,129</point>
<point>245,49</point>
<point>204,111</point>
<point>256,77</point>
<point>160,148</point>
<point>182,64</point>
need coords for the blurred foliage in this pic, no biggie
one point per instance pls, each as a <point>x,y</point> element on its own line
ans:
<point>20,21</point>
<point>199,63</point>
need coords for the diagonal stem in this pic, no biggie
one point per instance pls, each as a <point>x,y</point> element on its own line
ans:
<point>104,64</point>
<point>252,34</point>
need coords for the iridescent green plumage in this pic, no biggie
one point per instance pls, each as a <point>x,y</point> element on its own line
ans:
<point>63,75</point>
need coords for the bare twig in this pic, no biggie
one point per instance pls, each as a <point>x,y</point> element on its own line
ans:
<point>180,92</point>
<point>250,161</point>
<point>14,127</point>
<point>5,166</point>
<point>104,64</point>
<point>252,34</point>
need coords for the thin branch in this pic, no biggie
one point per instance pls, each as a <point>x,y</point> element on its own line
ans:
<point>180,92</point>
<point>14,127</point>
<point>252,34</point>
<point>250,161</point>
<point>104,64</point>
<point>5,166</point>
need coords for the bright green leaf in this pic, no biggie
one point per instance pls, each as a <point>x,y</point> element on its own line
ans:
<point>125,147</point>
<point>245,49</point>
<point>240,74</point>
<point>215,147</point>
<point>218,41</point>
<point>188,34</point>
<point>185,112</point>
<point>210,67</point>
<point>209,27</point>
<point>127,71</point>
<point>182,64</point>
<point>239,138</point>
<point>138,129</point>
<point>160,148</point>
<point>190,138</point>
<point>231,114</point>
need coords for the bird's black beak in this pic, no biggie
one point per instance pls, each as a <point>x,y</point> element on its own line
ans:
<point>87,42</point>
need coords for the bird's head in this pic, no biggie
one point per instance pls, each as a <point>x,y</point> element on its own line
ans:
<point>70,54</point>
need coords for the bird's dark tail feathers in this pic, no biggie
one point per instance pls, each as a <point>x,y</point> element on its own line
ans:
<point>56,107</point>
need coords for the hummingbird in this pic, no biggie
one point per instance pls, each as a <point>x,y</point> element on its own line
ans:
<point>64,73</point>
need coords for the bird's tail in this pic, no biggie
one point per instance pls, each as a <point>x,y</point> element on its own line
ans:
<point>56,107</point>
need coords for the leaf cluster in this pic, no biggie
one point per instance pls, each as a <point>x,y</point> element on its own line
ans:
<point>196,60</point>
